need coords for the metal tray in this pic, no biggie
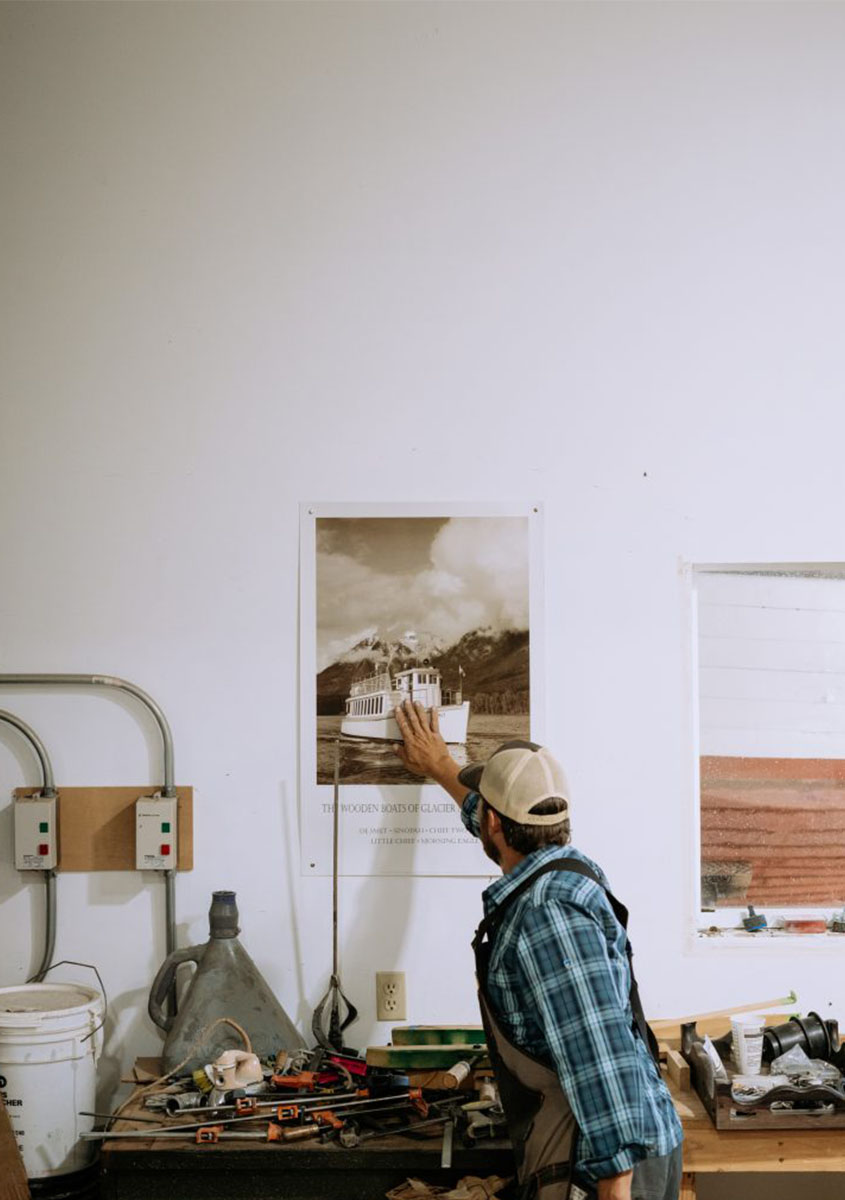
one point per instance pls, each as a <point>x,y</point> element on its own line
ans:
<point>815,1107</point>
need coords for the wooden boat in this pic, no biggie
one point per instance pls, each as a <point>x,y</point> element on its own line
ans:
<point>372,702</point>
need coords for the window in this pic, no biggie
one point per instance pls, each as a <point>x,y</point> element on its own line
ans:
<point>771,729</point>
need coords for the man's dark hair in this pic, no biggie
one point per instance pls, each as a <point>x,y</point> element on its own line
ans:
<point>525,838</point>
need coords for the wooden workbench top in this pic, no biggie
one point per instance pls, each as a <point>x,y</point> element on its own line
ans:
<point>706,1149</point>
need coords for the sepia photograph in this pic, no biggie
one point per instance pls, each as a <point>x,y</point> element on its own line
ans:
<point>429,609</point>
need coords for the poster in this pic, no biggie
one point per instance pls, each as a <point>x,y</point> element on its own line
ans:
<point>437,604</point>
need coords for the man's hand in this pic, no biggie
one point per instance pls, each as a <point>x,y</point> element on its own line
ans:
<point>424,752</point>
<point>616,1188</point>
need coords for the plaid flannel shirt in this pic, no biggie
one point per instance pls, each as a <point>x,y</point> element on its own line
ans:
<point>558,982</point>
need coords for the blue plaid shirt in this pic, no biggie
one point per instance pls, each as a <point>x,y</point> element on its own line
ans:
<point>558,982</point>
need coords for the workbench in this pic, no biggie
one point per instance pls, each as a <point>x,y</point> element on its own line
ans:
<point>181,1170</point>
<point>145,1169</point>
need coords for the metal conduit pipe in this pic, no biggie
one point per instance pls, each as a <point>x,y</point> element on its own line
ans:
<point>48,788</point>
<point>122,685</point>
<point>169,787</point>
<point>170,910</point>
<point>50,932</point>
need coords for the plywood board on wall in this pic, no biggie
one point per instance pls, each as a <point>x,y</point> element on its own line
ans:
<point>97,827</point>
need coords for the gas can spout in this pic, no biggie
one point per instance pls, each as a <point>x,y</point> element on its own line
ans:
<point>223,915</point>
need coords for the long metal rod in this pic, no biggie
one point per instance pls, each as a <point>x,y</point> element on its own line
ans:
<point>48,785</point>
<point>123,685</point>
<point>297,1098</point>
<point>169,1129</point>
<point>336,820</point>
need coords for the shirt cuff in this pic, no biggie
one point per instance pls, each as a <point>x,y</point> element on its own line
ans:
<point>624,1160</point>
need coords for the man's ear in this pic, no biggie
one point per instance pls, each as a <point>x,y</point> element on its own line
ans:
<point>495,824</point>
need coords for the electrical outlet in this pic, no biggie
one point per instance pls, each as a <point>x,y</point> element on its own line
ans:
<point>391,998</point>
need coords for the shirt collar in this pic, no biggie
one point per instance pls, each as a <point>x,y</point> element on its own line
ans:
<point>499,889</point>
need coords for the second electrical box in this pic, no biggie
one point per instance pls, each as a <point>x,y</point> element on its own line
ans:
<point>155,833</point>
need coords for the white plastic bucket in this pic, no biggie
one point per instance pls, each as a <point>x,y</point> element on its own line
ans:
<point>48,1057</point>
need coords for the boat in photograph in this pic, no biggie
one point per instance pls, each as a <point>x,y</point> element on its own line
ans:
<point>372,702</point>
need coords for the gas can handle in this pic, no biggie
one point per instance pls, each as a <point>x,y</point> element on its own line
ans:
<point>164,981</point>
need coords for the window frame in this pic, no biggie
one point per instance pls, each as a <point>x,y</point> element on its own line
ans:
<point>722,926</point>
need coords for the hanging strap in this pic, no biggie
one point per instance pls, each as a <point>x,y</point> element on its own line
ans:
<point>491,923</point>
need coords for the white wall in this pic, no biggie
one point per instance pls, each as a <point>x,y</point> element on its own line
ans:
<point>588,254</point>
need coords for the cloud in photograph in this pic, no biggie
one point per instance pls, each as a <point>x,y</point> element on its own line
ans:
<point>389,577</point>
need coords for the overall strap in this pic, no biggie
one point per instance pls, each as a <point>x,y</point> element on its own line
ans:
<point>490,925</point>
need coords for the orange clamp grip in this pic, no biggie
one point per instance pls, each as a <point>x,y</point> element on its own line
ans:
<point>246,1106</point>
<point>327,1117</point>
<point>287,1112</point>
<point>209,1133</point>
<point>274,1133</point>
<point>305,1081</point>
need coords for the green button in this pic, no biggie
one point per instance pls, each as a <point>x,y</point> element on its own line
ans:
<point>43,827</point>
<point>165,827</point>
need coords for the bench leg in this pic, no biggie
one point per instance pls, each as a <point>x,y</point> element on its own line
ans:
<point>687,1186</point>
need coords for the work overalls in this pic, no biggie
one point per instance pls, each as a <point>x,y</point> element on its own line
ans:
<point>541,1123</point>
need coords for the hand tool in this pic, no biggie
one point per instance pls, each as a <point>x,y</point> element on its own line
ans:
<point>213,1133</point>
<point>305,1081</point>
<point>304,1132</point>
<point>333,1040</point>
<point>755,921</point>
<point>448,1139</point>
<point>487,1124</point>
<point>298,1097</point>
<point>354,1065</point>
<point>384,1104</point>
<point>350,1138</point>
<point>459,1071</point>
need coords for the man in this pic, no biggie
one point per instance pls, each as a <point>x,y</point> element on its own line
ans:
<point>582,1093</point>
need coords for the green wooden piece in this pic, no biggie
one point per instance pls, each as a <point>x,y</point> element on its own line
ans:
<point>424,1058</point>
<point>437,1035</point>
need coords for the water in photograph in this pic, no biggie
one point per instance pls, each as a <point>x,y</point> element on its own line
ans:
<point>377,762</point>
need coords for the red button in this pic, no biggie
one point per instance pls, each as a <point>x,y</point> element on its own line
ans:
<point>165,848</point>
<point>43,848</point>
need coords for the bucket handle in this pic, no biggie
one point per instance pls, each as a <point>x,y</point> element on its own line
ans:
<point>71,962</point>
<point>164,981</point>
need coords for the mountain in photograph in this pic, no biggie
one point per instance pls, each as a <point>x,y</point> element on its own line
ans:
<point>495,666</point>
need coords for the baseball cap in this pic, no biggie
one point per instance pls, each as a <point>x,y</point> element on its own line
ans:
<point>515,778</point>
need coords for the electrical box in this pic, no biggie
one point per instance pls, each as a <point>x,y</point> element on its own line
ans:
<point>36,833</point>
<point>155,833</point>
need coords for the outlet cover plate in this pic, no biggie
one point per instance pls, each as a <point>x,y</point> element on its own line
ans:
<point>391,997</point>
